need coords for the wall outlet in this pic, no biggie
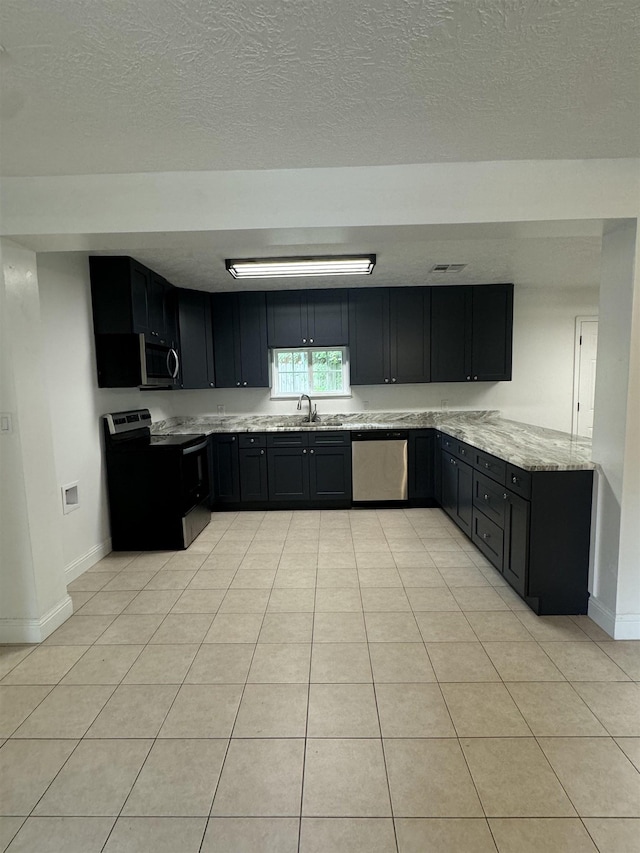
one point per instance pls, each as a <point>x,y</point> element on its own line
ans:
<point>221,410</point>
<point>444,405</point>
<point>6,422</point>
<point>365,405</point>
<point>70,497</point>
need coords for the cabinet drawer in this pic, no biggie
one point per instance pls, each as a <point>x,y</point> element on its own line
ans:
<point>490,498</point>
<point>464,451</point>
<point>491,466</point>
<point>489,538</point>
<point>519,481</point>
<point>447,443</point>
<point>328,439</point>
<point>287,439</point>
<point>252,439</point>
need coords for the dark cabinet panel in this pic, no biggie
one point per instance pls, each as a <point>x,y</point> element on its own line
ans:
<point>240,340</point>
<point>448,334</point>
<point>127,297</point>
<point>421,464</point>
<point>457,491</point>
<point>369,336</point>
<point>301,318</point>
<point>491,332</point>
<point>410,334</point>
<point>437,467</point>
<point>327,318</point>
<point>196,343</point>
<point>286,318</point>
<point>330,473</point>
<point>288,470</point>
<point>489,538</point>
<point>253,474</point>
<point>516,543</point>
<point>225,469</point>
<point>471,333</point>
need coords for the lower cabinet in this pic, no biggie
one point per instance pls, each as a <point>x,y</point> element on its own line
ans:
<point>225,469</point>
<point>421,467</point>
<point>288,468</point>
<point>457,491</point>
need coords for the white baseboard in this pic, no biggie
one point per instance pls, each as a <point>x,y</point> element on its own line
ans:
<point>625,626</point>
<point>36,630</point>
<point>93,556</point>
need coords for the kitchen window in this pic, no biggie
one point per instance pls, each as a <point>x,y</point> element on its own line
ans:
<point>321,372</point>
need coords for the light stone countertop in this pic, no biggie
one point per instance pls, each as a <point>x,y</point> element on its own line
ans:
<point>530,447</point>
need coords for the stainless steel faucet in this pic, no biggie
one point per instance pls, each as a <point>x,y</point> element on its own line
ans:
<point>313,415</point>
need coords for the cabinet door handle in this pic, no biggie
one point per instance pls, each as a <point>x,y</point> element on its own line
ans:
<point>252,440</point>
<point>304,340</point>
<point>394,379</point>
<point>487,465</point>
<point>211,385</point>
<point>486,497</point>
<point>486,536</point>
<point>514,479</point>
<point>386,380</point>
<point>453,461</point>
<point>238,384</point>
<point>233,438</point>
<point>262,453</point>
<point>310,340</point>
<point>312,451</point>
<point>304,451</point>
<point>244,383</point>
<point>505,496</point>
<point>475,377</point>
<point>468,377</point>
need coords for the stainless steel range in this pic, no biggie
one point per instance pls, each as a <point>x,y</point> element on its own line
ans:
<point>158,485</point>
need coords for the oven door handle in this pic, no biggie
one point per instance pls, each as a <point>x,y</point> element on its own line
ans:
<point>195,448</point>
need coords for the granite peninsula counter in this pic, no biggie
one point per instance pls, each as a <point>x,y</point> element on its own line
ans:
<point>530,447</point>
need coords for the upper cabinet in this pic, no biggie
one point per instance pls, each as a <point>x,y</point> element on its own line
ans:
<point>240,340</point>
<point>196,339</point>
<point>389,330</point>
<point>471,333</point>
<point>304,318</point>
<point>127,297</point>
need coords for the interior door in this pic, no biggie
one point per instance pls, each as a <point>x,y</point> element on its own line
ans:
<point>586,378</point>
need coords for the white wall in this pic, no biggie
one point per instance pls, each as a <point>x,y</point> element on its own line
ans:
<point>76,405</point>
<point>540,393</point>
<point>33,596</point>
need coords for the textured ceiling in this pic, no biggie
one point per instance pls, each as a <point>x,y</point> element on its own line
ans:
<point>164,85</point>
<point>404,257</point>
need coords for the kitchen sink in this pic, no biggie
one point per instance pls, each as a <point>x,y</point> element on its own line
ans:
<point>317,424</point>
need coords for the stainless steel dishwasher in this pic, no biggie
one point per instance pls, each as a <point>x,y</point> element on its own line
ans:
<point>379,465</point>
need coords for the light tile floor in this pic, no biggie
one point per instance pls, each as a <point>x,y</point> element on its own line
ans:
<point>318,681</point>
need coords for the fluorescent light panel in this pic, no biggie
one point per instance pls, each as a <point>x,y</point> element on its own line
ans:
<point>288,267</point>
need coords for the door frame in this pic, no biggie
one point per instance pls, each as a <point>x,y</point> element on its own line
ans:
<point>582,318</point>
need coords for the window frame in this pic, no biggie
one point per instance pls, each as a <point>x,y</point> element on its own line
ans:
<point>294,395</point>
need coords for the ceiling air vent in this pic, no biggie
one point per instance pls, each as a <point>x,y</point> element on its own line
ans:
<point>447,268</point>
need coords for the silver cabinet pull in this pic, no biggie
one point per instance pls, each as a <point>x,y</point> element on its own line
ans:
<point>394,379</point>
<point>211,385</point>
<point>233,438</point>
<point>310,340</point>
<point>304,451</point>
<point>238,384</point>
<point>386,380</point>
<point>244,383</point>
<point>475,377</point>
<point>304,340</point>
<point>468,377</point>
<point>262,453</point>
<point>505,496</point>
<point>312,451</point>
<point>486,536</point>
<point>486,497</point>
<point>487,465</point>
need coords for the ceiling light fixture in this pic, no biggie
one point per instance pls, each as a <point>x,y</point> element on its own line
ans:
<point>287,267</point>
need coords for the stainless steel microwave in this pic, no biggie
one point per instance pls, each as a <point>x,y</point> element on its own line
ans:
<point>133,361</point>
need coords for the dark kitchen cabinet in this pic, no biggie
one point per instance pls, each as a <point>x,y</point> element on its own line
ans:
<point>471,333</point>
<point>288,472</point>
<point>516,542</point>
<point>410,334</point>
<point>196,339</point>
<point>253,474</point>
<point>389,335</point>
<point>302,318</point>
<point>129,298</point>
<point>225,469</point>
<point>421,464</point>
<point>457,491</point>
<point>437,467</point>
<point>240,340</point>
<point>330,473</point>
